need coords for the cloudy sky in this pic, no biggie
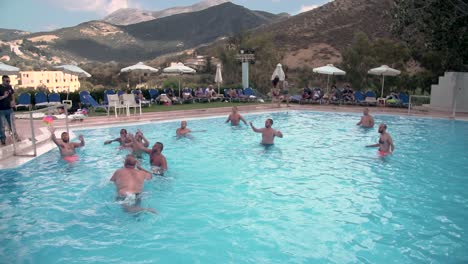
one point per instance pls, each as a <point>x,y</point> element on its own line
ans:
<point>45,15</point>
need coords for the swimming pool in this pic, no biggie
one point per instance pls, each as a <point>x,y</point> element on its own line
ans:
<point>317,196</point>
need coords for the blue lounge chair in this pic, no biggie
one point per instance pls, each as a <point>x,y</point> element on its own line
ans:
<point>360,98</point>
<point>153,94</point>
<point>24,100</point>
<point>371,98</point>
<point>40,100</point>
<point>86,99</point>
<point>54,99</point>
<point>249,94</point>
<point>404,99</point>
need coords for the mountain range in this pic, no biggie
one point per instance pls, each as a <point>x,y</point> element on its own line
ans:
<point>128,16</point>
<point>311,38</point>
<point>102,41</point>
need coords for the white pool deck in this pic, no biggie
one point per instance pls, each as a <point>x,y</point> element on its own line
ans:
<point>44,144</point>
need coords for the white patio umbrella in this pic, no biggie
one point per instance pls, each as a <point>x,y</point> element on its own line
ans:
<point>219,76</point>
<point>179,68</point>
<point>73,70</point>
<point>384,70</point>
<point>141,68</point>
<point>329,70</point>
<point>6,69</point>
<point>278,72</point>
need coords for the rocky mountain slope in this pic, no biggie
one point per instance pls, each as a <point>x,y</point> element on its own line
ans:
<point>128,16</point>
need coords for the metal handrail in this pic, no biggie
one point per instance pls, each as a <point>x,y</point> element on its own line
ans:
<point>33,137</point>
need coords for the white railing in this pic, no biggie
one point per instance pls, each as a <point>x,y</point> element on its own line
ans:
<point>31,123</point>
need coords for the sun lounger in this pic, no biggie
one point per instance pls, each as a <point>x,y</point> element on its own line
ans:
<point>371,98</point>
<point>86,99</point>
<point>40,100</point>
<point>24,100</point>
<point>54,99</point>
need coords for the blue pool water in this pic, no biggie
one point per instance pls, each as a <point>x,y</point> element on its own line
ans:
<point>317,196</point>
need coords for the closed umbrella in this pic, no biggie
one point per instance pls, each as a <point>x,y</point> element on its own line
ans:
<point>329,70</point>
<point>6,69</point>
<point>140,68</point>
<point>179,68</point>
<point>383,71</point>
<point>278,72</point>
<point>219,76</point>
<point>73,70</point>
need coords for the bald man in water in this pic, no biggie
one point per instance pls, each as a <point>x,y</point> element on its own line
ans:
<point>67,148</point>
<point>367,120</point>
<point>268,133</point>
<point>129,182</point>
<point>235,117</point>
<point>385,141</point>
<point>183,130</point>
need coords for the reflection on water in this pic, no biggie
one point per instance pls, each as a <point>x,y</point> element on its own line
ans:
<point>316,195</point>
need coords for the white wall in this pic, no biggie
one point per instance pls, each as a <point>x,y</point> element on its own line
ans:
<point>453,86</point>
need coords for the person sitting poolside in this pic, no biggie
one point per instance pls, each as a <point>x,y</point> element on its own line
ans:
<point>268,133</point>
<point>129,184</point>
<point>317,93</point>
<point>385,144</point>
<point>306,93</point>
<point>123,139</point>
<point>210,92</point>
<point>187,95</point>
<point>67,148</point>
<point>233,93</point>
<point>366,120</point>
<point>164,99</point>
<point>183,130</point>
<point>235,117</point>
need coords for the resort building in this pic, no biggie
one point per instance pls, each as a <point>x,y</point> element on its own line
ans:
<point>56,81</point>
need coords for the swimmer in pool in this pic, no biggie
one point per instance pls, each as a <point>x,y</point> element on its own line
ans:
<point>157,159</point>
<point>182,130</point>
<point>235,117</point>
<point>67,148</point>
<point>385,141</point>
<point>123,139</point>
<point>366,120</point>
<point>129,182</point>
<point>268,133</point>
<point>138,143</point>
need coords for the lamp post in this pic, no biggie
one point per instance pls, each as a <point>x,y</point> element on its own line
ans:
<point>246,56</point>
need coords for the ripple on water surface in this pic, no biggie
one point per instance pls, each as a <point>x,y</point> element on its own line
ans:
<point>318,195</point>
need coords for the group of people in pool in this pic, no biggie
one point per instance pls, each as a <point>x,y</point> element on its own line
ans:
<point>385,143</point>
<point>129,180</point>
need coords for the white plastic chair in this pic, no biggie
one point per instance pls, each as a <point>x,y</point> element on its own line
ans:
<point>114,102</point>
<point>129,101</point>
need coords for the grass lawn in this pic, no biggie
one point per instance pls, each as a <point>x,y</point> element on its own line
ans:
<point>164,108</point>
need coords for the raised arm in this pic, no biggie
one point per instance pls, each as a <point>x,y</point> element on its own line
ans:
<point>82,142</point>
<point>53,137</point>
<point>255,129</point>
<point>373,145</point>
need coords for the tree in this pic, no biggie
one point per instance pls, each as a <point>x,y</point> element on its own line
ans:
<point>436,31</point>
<point>364,54</point>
